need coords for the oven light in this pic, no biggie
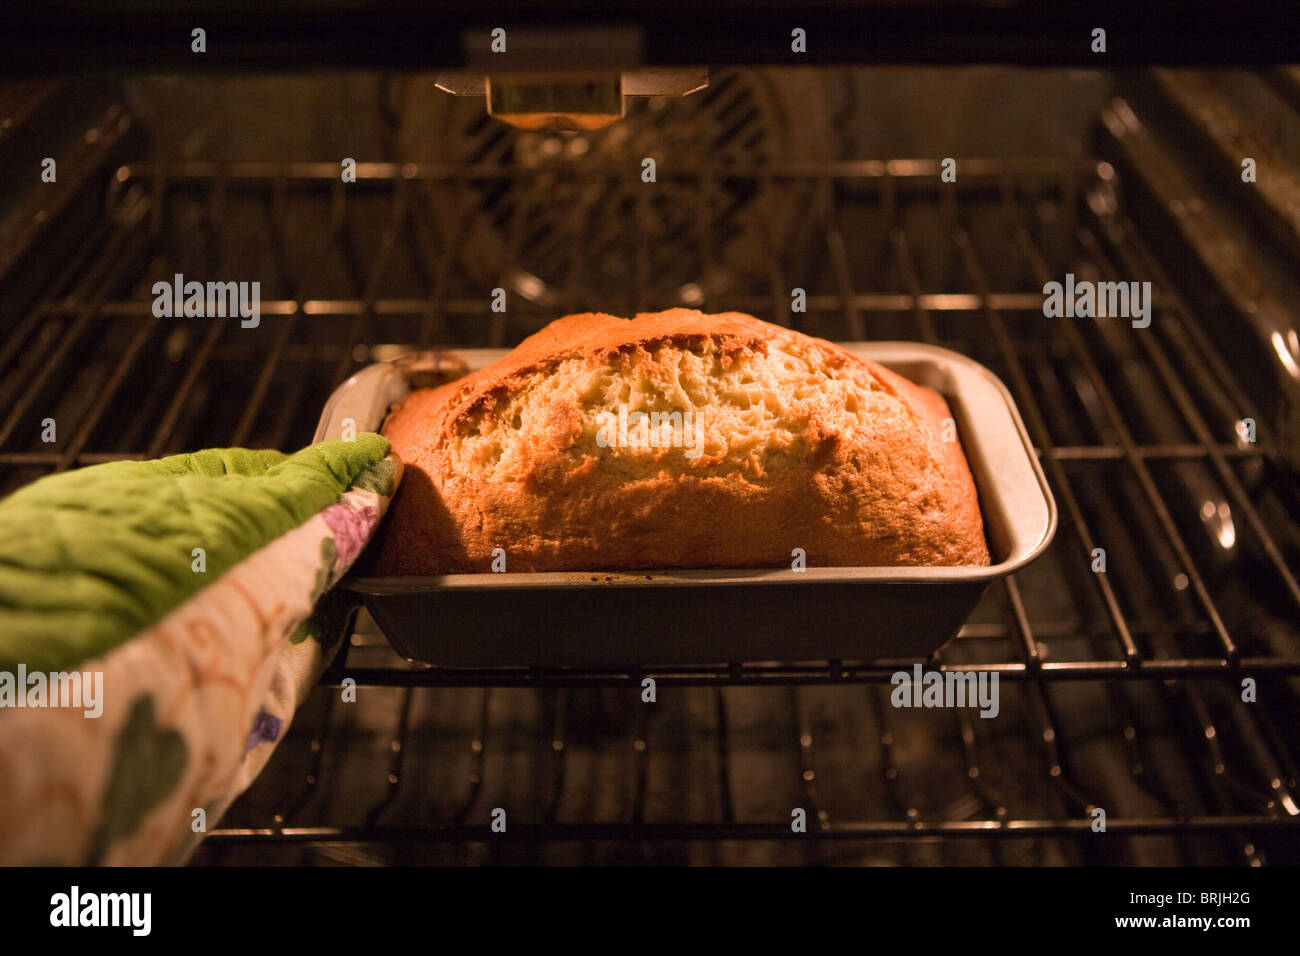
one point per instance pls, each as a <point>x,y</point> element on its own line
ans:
<point>1287,352</point>
<point>1219,518</point>
<point>528,285</point>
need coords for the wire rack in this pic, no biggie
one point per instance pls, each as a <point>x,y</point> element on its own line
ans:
<point>1122,690</point>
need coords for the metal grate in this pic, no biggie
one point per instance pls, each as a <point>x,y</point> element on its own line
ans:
<point>1122,690</point>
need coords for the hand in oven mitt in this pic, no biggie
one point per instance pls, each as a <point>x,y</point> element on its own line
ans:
<point>157,634</point>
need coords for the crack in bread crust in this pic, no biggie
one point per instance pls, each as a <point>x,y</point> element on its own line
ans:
<point>756,440</point>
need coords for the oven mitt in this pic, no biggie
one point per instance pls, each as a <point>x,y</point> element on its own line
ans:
<point>170,603</point>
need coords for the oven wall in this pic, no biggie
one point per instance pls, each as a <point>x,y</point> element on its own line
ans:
<point>848,113</point>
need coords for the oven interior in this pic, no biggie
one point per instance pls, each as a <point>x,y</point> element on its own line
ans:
<point>1120,690</point>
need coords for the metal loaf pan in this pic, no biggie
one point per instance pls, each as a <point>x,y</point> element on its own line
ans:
<point>620,619</point>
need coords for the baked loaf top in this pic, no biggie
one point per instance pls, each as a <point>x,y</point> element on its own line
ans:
<point>780,441</point>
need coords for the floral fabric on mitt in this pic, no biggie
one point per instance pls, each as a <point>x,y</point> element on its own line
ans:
<point>192,706</point>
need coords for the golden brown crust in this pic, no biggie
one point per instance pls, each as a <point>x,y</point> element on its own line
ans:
<point>802,445</point>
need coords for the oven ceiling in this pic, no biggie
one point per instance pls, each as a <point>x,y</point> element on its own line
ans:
<point>275,35</point>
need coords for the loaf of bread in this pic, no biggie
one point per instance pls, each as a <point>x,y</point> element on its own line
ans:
<point>751,441</point>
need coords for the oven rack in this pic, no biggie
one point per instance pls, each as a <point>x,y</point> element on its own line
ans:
<point>955,265</point>
<point>1264,807</point>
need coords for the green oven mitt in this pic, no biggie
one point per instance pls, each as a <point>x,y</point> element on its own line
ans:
<point>156,635</point>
